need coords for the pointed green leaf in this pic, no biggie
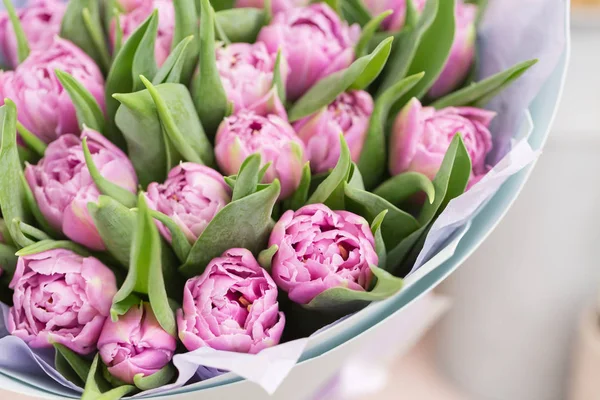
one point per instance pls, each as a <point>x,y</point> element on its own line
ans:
<point>331,191</point>
<point>479,93</point>
<point>362,47</point>
<point>157,379</point>
<point>402,187</point>
<point>118,31</point>
<point>46,245</point>
<point>88,111</point>
<point>172,69</point>
<point>179,242</point>
<point>13,201</point>
<point>356,180</point>
<point>355,11</point>
<point>26,234</point>
<point>379,242</point>
<point>31,141</point>
<point>96,387</point>
<point>241,24</point>
<point>122,307</point>
<point>78,364</point>
<point>278,79</point>
<point>21,38</point>
<point>186,25</point>
<point>63,368</point>
<point>266,256</point>
<point>300,196</point>
<point>18,237</point>
<point>243,223</point>
<point>247,178</point>
<point>357,76</point>
<point>372,161</point>
<point>342,300</point>
<point>93,25</point>
<point>207,84</point>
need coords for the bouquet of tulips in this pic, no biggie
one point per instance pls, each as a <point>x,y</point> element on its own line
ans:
<point>179,174</point>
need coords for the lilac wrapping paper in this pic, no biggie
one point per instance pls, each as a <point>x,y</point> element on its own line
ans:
<point>500,45</point>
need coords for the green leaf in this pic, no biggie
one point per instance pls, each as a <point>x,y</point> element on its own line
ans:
<point>372,161</point>
<point>331,191</point>
<point>396,226</point>
<point>402,187</point>
<point>46,245</point>
<point>26,234</point>
<point>124,73</point>
<point>336,5</point>
<point>193,146</point>
<point>96,388</point>
<point>478,94</point>
<point>357,76</point>
<point>115,224</point>
<point>13,202</point>
<point>157,379</point>
<point>18,236</point>
<point>219,4</point>
<point>179,242</point>
<point>172,69</point>
<point>406,45</point>
<point>63,368</point>
<point>299,197</point>
<point>241,24</point>
<point>266,256</point>
<point>433,52</point>
<point>88,111</point>
<point>207,84</point>
<point>31,141</point>
<point>356,180</point>
<point>105,186</point>
<point>21,38</point>
<point>118,30</point>
<point>247,178</point>
<point>85,34</point>
<point>278,79</point>
<point>449,183</point>
<point>342,300</point>
<point>243,223</point>
<point>354,11</point>
<point>122,307</point>
<point>379,242</point>
<point>362,47</point>
<point>78,364</point>
<point>186,25</point>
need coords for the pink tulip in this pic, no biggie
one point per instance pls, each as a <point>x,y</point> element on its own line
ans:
<point>135,345</point>
<point>394,22</point>
<point>315,43</point>
<point>421,136</point>
<point>60,297</point>
<point>348,114</point>
<point>40,21</point>
<point>246,133</point>
<point>462,52</point>
<point>43,106</point>
<point>141,10</point>
<point>246,72</point>
<point>320,249</point>
<point>62,185</point>
<point>276,5</point>
<point>192,195</point>
<point>232,306</point>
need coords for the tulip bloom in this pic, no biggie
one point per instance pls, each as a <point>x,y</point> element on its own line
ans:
<point>62,185</point>
<point>135,345</point>
<point>40,21</point>
<point>43,106</point>
<point>192,195</point>
<point>394,22</point>
<point>315,43</point>
<point>348,114</point>
<point>246,72</point>
<point>246,133</point>
<point>232,306</point>
<point>462,52</point>
<point>139,11</point>
<point>421,136</point>
<point>321,249</point>
<point>60,297</point>
<point>276,5</point>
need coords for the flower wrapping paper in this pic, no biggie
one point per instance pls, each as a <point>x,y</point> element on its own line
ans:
<point>499,46</point>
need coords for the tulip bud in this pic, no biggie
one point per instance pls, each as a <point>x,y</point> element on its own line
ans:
<point>62,185</point>
<point>232,306</point>
<point>43,106</point>
<point>40,21</point>
<point>348,114</point>
<point>60,297</point>
<point>315,43</point>
<point>138,12</point>
<point>192,195</point>
<point>246,72</point>
<point>320,249</point>
<point>394,22</point>
<point>135,344</point>
<point>276,5</point>
<point>246,133</point>
<point>421,136</point>
<point>462,52</point>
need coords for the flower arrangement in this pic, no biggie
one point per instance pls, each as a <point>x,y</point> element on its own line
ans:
<point>178,175</point>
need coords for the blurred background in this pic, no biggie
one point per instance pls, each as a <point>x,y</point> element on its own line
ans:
<point>524,322</point>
